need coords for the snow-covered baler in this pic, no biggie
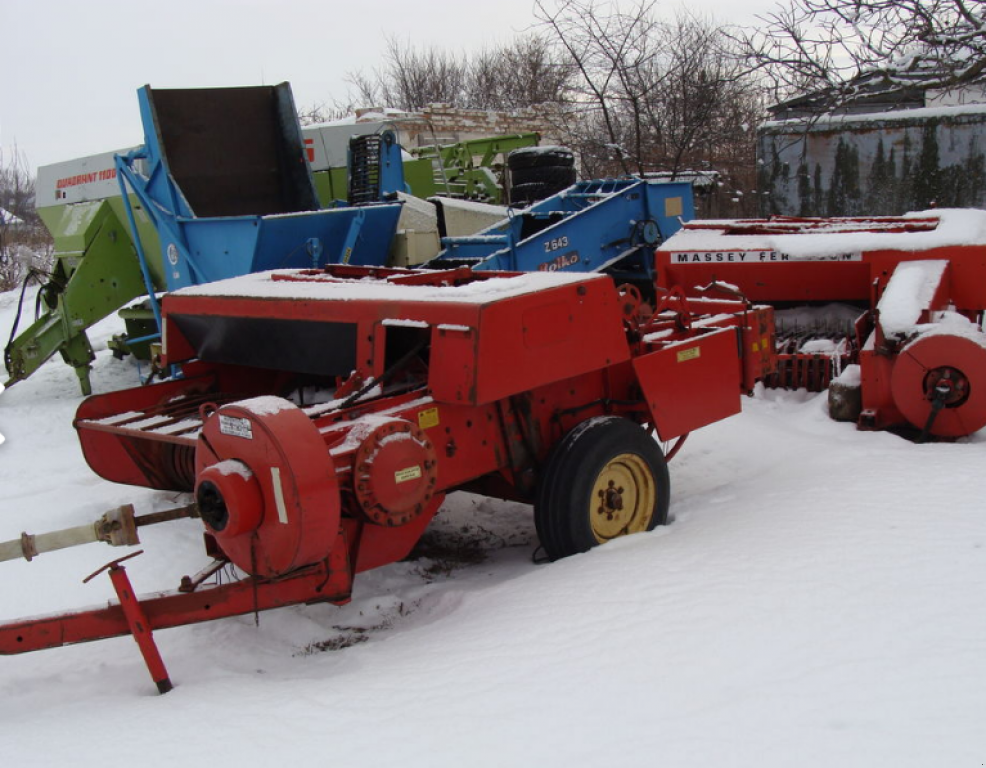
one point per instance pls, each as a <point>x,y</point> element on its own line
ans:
<point>915,290</point>
<point>324,414</point>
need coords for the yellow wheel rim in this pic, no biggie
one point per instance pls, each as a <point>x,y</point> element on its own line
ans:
<point>623,498</point>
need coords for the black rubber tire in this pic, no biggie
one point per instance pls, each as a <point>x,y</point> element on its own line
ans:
<point>560,176</point>
<point>537,157</point>
<point>525,194</point>
<point>564,498</point>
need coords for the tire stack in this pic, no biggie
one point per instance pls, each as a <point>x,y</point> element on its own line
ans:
<point>539,172</point>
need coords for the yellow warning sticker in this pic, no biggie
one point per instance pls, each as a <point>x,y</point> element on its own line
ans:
<point>756,347</point>
<point>428,418</point>
<point>673,206</point>
<point>411,473</point>
<point>689,354</point>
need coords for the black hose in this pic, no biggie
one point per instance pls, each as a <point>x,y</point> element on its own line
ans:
<point>31,273</point>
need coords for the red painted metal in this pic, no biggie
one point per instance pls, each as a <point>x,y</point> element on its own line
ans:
<point>895,384</point>
<point>784,225</point>
<point>459,380</point>
<point>951,365</point>
<point>441,381</point>
<point>683,385</point>
<point>296,494</point>
<point>394,473</point>
<point>764,275</point>
<point>328,581</point>
<point>138,625</point>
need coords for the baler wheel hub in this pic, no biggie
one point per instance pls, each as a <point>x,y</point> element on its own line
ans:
<point>627,494</point>
<point>612,500</point>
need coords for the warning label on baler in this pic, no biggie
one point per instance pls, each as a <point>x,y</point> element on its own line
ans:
<point>689,354</point>
<point>428,418</point>
<point>231,425</point>
<point>411,473</point>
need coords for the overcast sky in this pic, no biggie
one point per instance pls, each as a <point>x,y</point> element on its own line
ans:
<point>69,69</point>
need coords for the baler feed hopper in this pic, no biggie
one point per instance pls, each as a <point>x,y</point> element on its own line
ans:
<point>914,358</point>
<point>324,414</point>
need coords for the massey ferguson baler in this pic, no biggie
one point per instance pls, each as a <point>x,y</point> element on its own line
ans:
<point>323,415</point>
<point>914,287</point>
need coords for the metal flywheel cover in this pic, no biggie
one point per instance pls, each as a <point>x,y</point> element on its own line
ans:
<point>394,473</point>
<point>955,363</point>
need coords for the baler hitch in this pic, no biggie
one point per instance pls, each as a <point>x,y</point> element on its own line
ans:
<point>117,527</point>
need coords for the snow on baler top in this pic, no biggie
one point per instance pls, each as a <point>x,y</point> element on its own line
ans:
<point>787,259</point>
<point>918,280</point>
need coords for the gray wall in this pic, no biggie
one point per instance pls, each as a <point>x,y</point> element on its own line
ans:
<point>874,165</point>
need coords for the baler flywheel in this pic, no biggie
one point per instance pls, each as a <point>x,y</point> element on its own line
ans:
<point>942,375</point>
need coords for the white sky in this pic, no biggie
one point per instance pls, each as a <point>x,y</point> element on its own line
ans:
<point>69,70</point>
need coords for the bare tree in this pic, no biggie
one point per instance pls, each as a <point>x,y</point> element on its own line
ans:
<point>653,95</point>
<point>613,53</point>
<point>520,74</point>
<point>703,106</point>
<point>523,73</point>
<point>25,245</point>
<point>412,78</point>
<point>324,112</point>
<point>635,93</point>
<point>833,47</point>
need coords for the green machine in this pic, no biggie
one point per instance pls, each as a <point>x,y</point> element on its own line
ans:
<point>95,266</point>
<point>473,169</point>
<point>468,170</point>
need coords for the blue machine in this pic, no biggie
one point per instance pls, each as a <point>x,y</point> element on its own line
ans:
<point>609,225</point>
<point>227,186</point>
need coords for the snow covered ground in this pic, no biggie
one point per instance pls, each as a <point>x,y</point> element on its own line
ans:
<point>819,601</point>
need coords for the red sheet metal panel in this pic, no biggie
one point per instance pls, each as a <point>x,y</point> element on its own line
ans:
<point>684,385</point>
<point>861,252</point>
<point>527,341</point>
<point>767,280</point>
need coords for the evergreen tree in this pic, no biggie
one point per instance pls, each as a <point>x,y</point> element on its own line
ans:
<point>905,201</point>
<point>893,191</point>
<point>844,195</point>
<point>927,172</point>
<point>878,201</point>
<point>819,192</point>
<point>804,190</point>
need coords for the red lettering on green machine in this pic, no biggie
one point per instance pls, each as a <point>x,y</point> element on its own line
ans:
<point>86,178</point>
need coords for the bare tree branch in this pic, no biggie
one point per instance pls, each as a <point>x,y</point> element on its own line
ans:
<point>834,47</point>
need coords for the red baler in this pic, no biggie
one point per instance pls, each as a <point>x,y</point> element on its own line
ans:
<point>323,415</point>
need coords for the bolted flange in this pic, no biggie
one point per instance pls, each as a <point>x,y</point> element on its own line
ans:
<point>395,470</point>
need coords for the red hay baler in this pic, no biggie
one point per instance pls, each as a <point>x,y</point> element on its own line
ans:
<point>322,416</point>
<point>918,286</point>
